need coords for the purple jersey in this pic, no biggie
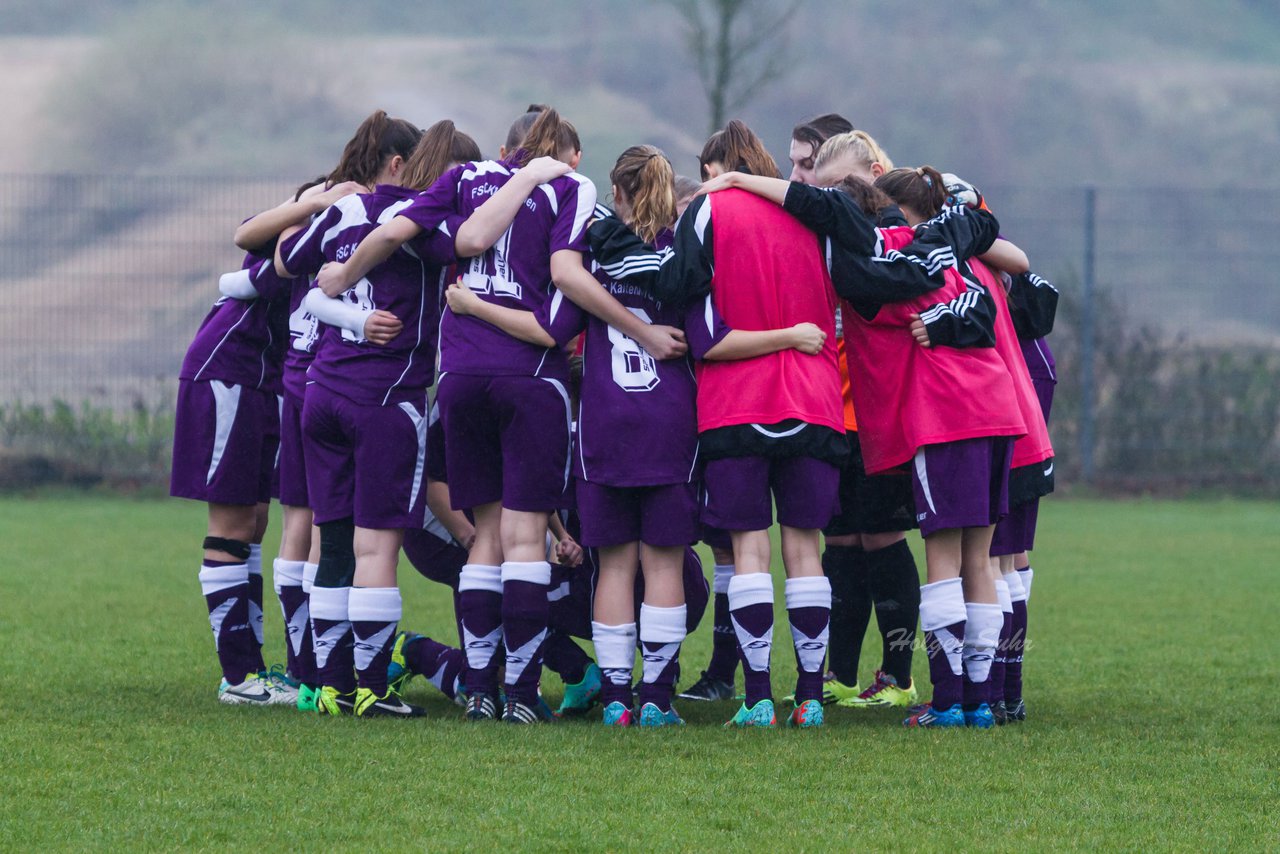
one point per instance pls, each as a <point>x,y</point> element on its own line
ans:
<point>237,340</point>
<point>637,423</point>
<point>1039,357</point>
<point>515,272</point>
<point>304,333</point>
<point>407,285</point>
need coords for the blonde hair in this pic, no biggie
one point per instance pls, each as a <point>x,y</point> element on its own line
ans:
<point>644,175</point>
<point>857,143</point>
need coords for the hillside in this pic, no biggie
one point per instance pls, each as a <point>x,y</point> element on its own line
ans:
<point>1171,109</point>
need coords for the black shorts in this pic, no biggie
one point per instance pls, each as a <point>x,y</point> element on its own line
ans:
<point>1027,483</point>
<point>871,504</point>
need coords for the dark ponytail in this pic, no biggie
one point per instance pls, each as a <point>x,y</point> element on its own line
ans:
<point>870,199</point>
<point>921,189</point>
<point>378,139</point>
<point>440,146</point>
<point>738,149</point>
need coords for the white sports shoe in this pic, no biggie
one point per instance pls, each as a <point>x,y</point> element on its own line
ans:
<point>257,690</point>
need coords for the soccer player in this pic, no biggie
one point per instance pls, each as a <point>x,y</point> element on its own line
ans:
<point>225,437</point>
<point>770,425</point>
<point>364,422</point>
<point>502,399</point>
<point>866,556</point>
<point>930,411</point>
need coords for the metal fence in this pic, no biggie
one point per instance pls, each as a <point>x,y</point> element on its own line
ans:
<point>1168,337</point>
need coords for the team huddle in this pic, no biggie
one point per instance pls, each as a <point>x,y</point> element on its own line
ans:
<point>546,403</point>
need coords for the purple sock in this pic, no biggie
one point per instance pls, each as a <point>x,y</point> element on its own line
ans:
<point>998,663</point>
<point>331,637</point>
<point>565,658</point>
<point>662,630</point>
<point>724,642</point>
<point>525,615</point>
<point>942,647</point>
<point>374,613</point>
<point>226,593</point>
<point>294,607</point>
<point>255,598</point>
<point>809,611</point>
<point>1013,654</point>
<point>942,617</point>
<point>751,608</point>
<point>480,610</point>
<point>442,665</point>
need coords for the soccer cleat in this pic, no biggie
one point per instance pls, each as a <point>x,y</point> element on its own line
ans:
<point>617,714</point>
<point>929,717</point>
<point>1016,711</point>
<point>481,707</point>
<point>256,691</point>
<point>307,697</point>
<point>835,691</point>
<point>807,714</point>
<point>330,702</point>
<point>579,697</point>
<point>707,689</point>
<point>287,687</point>
<point>516,712</point>
<point>389,705</point>
<point>980,718</point>
<point>759,715</point>
<point>652,716</point>
<point>1000,713</point>
<point>398,672</point>
<point>884,692</point>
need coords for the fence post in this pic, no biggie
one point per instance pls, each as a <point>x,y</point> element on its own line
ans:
<point>1086,336</point>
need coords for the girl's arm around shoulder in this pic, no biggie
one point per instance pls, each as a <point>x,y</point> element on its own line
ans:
<point>518,323</point>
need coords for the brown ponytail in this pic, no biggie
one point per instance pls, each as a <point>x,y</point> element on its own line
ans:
<point>870,199</point>
<point>922,189</point>
<point>520,127</point>
<point>441,146</point>
<point>738,149</point>
<point>644,175</point>
<point>378,139</point>
<point>548,136</point>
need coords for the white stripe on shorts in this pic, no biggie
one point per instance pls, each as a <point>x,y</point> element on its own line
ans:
<point>226,401</point>
<point>419,426</point>
<point>922,474</point>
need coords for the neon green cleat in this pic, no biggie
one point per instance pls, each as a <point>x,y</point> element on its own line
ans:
<point>884,693</point>
<point>398,672</point>
<point>389,705</point>
<point>307,698</point>
<point>330,702</point>
<point>833,691</point>
<point>759,715</point>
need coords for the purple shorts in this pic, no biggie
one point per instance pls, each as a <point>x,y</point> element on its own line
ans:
<point>961,484</point>
<point>365,461</point>
<point>292,469</point>
<point>717,538</point>
<point>741,492</point>
<point>1044,393</point>
<point>224,443</point>
<point>506,439</point>
<point>1017,531</point>
<point>654,515</point>
<point>437,470</point>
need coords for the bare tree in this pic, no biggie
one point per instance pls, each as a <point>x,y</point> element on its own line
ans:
<point>738,46</point>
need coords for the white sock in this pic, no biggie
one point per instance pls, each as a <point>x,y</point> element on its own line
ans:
<point>662,630</point>
<point>981,636</point>
<point>615,651</point>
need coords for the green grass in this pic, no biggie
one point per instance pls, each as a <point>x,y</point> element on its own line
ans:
<point>1150,684</point>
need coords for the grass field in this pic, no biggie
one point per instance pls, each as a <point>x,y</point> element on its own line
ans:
<point>1151,687</point>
